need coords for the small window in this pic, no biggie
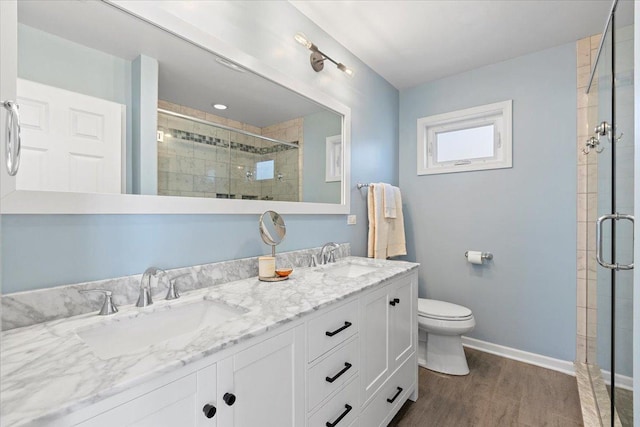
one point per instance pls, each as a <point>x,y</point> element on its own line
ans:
<point>264,170</point>
<point>473,139</point>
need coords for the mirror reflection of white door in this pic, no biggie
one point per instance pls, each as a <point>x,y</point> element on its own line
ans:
<point>70,141</point>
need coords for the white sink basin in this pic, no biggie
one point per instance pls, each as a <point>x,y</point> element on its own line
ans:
<point>350,270</point>
<point>176,324</point>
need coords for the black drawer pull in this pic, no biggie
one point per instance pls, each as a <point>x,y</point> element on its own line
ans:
<point>337,331</point>
<point>395,396</point>
<point>347,409</point>
<point>394,301</point>
<point>347,366</point>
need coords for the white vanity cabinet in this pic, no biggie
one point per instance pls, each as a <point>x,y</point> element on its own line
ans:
<point>333,365</point>
<point>350,363</point>
<point>262,385</point>
<point>170,405</point>
<point>388,342</point>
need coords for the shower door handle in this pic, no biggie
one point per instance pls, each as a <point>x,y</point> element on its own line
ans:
<point>599,245</point>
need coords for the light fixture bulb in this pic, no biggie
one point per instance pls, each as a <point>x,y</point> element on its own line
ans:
<point>219,106</point>
<point>348,71</point>
<point>303,40</point>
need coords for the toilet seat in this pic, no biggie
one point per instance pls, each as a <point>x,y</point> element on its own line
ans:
<point>441,310</point>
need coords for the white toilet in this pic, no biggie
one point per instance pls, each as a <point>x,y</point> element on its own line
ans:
<point>441,325</point>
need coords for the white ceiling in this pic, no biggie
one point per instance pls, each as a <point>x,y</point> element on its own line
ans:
<point>413,42</point>
<point>188,74</point>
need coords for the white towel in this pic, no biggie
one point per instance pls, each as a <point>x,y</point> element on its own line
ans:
<point>389,200</point>
<point>396,242</point>
<point>386,235</point>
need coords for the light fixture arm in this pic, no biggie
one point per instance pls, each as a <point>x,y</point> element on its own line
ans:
<point>325,56</point>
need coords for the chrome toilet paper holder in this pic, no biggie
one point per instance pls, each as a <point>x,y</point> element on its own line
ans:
<point>485,255</point>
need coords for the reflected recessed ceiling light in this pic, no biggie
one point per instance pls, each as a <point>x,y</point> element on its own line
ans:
<point>230,64</point>
<point>219,106</point>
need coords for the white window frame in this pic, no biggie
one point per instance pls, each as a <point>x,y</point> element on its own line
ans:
<point>498,114</point>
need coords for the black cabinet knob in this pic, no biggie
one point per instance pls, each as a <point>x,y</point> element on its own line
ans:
<point>229,398</point>
<point>209,410</point>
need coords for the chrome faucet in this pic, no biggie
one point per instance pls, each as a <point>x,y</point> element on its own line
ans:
<point>145,286</point>
<point>330,255</point>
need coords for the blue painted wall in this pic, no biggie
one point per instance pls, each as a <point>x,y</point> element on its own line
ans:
<point>525,215</point>
<point>52,250</point>
<point>317,127</point>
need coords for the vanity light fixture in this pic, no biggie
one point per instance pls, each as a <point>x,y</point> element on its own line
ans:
<point>317,57</point>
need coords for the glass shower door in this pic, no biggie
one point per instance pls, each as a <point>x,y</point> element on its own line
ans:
<point>610,319</point>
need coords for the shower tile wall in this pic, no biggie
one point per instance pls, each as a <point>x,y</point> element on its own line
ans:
<point>587,199</point>
<point>197,161</point>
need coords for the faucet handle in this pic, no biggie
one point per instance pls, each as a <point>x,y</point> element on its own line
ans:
<point>313,262</point>
<point>172,293</point>
<point>108,307</point>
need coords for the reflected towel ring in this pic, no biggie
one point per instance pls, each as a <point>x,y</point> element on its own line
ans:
<point>12,136</point>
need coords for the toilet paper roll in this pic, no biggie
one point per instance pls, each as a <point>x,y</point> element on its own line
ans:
<point>474,257</point>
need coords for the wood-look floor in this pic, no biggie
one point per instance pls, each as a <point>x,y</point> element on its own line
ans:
<point>497,392</point>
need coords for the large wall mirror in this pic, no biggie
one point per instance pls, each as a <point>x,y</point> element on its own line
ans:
<point>116,108</point>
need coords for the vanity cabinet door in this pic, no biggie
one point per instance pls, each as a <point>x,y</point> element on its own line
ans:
<point>374,339</point>
<point>402,320</point>
<point>207,405</point>
<point>172,405</point>
<point>264,384</point>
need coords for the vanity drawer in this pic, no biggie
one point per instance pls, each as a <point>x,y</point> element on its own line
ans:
<point>332,328</point>
<point>379,411</point>
<point>336,410</point>
<point>332,372</point>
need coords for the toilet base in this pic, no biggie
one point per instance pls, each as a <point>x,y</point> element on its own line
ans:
<point>443,353</point>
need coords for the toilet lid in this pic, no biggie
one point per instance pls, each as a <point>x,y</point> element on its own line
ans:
<point>441,309</point>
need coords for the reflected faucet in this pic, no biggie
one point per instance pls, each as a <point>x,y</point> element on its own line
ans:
<point>145,286</point>
<point>330,255</point>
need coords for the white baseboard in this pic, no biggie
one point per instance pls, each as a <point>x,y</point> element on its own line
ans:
<point>521,356</point>
<point>622,381</point>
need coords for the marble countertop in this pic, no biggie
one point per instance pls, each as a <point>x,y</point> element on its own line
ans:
<point>47,371</point>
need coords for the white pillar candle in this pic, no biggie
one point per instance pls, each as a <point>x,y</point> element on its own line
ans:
<point>266,266</point>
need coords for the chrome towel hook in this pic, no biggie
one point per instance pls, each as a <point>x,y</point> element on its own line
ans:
<point>12,136</point>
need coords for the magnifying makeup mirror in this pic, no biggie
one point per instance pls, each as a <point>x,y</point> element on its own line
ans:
<point>272,229</point>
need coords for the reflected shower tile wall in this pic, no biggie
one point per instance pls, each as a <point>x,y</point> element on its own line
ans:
<point>219,168</point>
